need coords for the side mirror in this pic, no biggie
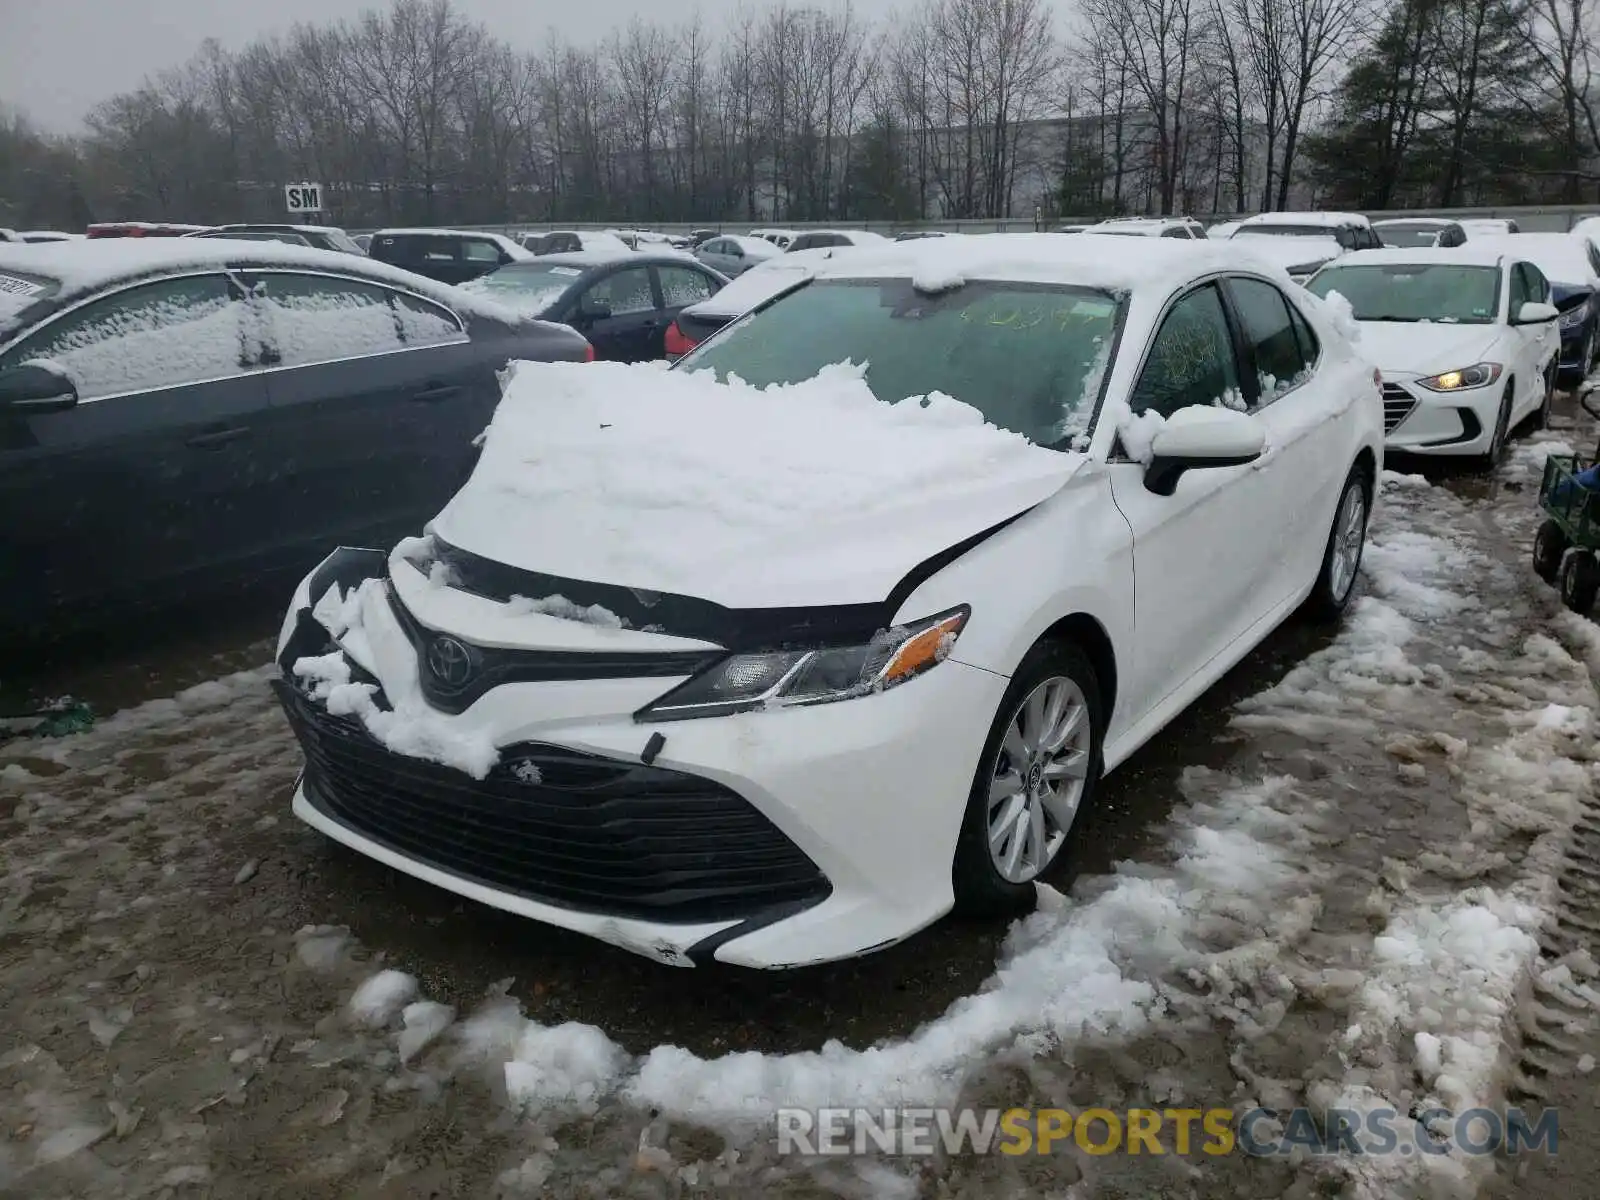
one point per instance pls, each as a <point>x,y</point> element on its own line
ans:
<point>36,387</point>
<point>1535,313</point>
<point>592,308</point>
<point>1200,436</point>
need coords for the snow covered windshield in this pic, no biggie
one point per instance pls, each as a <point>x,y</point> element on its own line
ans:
<point>1415,292</point>
<point>527,287</point>
<point>1030,357</point>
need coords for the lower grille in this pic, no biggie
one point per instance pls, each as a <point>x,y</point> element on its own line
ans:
<point>569,829</point>
<point>1397,405</point>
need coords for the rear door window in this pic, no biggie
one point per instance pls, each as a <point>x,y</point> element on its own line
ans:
<point>157,335</point>
<point>682,286</point>
<point>1269,336</point>
<point>477,250</point>
<point>319,318</point>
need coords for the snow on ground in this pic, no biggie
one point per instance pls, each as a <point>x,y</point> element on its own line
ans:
<point>1341,906</point>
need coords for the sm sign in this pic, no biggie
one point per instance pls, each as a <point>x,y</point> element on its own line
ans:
<point>303,197</point>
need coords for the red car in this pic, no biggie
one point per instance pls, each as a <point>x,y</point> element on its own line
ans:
<point>111,229</point>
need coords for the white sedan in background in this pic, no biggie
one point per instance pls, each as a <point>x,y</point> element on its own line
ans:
<point>814,652</point>
<point>1466,339</point>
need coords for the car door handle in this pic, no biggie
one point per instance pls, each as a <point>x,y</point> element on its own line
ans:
<point>435,392</point>
<point>218,438</point>
<point>46,404</point>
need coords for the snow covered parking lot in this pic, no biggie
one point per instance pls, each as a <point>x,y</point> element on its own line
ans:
<point>1341,879</point>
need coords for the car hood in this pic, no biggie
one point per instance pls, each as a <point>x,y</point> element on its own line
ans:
<point>809,494</point>
<point>1406,348</point>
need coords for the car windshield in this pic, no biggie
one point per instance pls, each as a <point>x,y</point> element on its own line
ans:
<point>1456,295</point>
<point>1408,235</point>
<point>526,287</point>
<point>1030,357</point>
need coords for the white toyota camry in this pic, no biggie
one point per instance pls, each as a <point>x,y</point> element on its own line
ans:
<point>1466,339</point>
<point>778,655</point>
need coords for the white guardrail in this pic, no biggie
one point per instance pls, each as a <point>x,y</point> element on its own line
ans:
<point>1545,218</point>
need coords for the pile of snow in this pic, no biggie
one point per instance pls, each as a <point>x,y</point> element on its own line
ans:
<point>657,473</point>
<point>1339,312</point>
<point>564,609</point>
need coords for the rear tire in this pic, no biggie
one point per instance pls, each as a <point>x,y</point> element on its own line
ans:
<point>1341,557</point>
<point>1549,544</point>
<point>1580,579</point>
<point>1027,800</point>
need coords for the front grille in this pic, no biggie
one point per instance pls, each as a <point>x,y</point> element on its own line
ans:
<point>1397,405</point>
<point>569,829</point>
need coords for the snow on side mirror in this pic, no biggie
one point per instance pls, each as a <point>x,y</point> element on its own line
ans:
<point>1535,313</point>
<point>1201,436</point>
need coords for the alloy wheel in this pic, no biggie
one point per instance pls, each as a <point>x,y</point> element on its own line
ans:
<point>1349,532</point>
<point>1039,777</point>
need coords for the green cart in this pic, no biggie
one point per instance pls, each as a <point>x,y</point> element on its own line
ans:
<point>1568,539</point>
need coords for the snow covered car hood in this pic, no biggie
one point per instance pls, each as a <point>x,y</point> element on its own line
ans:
<point>1424,348</point>
<point>806,494</point>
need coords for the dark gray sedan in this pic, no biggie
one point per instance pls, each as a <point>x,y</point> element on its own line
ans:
<point>185,413</point>
<point>623,302</point>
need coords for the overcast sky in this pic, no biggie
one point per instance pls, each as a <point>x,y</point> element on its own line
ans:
<point>58,57</point>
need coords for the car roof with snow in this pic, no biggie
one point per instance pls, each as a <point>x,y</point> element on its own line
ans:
<point>58,272</point>
<point>1333,220</point>
<point>1431,222</point>
<point>605,256</point>
<point>1552,253</point>
<point>1087,259</point>
<point>1473,254</point>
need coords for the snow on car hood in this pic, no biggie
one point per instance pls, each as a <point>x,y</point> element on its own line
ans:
<point>813,493</point>
<point>1423,347</point>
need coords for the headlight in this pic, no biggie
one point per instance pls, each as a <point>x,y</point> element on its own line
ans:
<point>1573,318</point>
<point>776,678</point>
<point>1478,375</point>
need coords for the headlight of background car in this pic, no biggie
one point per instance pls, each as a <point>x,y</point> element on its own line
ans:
<point>1573,317</point>
<point>742,682</point>
<point>1475,376</point>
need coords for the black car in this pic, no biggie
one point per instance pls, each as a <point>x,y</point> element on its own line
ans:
<point>322,237</point>
<point>623,302</point>
<point>203,411</point>
<point>448,255</point>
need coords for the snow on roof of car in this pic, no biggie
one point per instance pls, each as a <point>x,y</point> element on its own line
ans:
<point>88,265</point>
<point>761,246</point>
<point>1430,221</point>
<point>1563,257</point>
<point>1474,254</point>
<point>1088,259</point>
<point>1332,220</point>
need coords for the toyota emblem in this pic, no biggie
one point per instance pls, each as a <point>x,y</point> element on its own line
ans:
<point>450,661</point>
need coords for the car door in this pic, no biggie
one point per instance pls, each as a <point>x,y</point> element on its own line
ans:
<point>680,287</point>
<point>1299,401</point>
<point>726,255</point>
<point>618,313</point>
<point>156,476</point>
<point>1199,557</point>
<point>479,256</point>
<point>376,396</point>
<point>1537,342</point>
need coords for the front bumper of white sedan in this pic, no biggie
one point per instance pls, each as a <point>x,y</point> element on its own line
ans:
<point>1417,421</point>
<point>768,839</point>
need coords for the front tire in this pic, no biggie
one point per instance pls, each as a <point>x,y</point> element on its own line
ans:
<point>1549,544</point>
<point>1541,416</point>
<point>1341,558</point>
<point>1039,770</point>
<point>1490,459</point>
